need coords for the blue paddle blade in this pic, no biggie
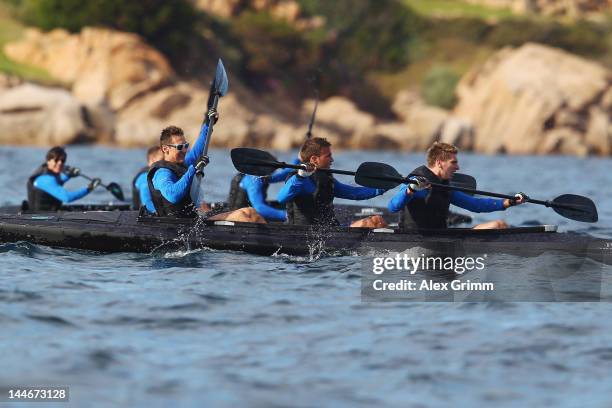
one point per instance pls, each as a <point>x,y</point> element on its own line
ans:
<point>221,81</point>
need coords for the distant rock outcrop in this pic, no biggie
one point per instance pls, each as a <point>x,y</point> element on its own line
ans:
<point>100,65</point>
<point>287,10</point>
<point>530,100</point>
<point>425,122</point>
<point>126,93</point>
<point>32,114</point>
<point>221,8</point>
<point>538,99</point>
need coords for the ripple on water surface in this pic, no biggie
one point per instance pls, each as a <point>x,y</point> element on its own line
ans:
<point>219,328</point>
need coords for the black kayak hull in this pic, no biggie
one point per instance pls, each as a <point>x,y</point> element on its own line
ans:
<point>125,231</point>
<point>345,213</point>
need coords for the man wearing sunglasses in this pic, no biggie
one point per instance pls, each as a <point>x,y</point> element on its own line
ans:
<point>46,190</point>
<point>169,179</point>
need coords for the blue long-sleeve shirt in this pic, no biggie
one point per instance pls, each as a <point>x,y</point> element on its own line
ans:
<point>297,185</point>
<point>255,188</point>
<point>143,190</point>
<point>458,198</point>
<point>280,175</point>
<point>49,185</point>
<point>173,188</point>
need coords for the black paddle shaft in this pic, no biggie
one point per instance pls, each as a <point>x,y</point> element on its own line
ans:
<point>547,203</point>
<point>406,180</point>
<point>332,171</point>
<point>91,179</point>
<point>114,188</point>
<point>312,117</point>
<point>283,165</point>
<point>571,206</point>
<point>261,163</point>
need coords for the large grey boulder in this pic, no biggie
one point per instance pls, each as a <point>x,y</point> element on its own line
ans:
<point>36,115</point>
<point>519,97</point>
<point>100,65</point>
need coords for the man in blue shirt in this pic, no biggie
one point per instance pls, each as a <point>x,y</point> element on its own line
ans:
<point>169,179</point>
<point>310,193</point>
<point>252,191</point>
<point>423,206</point>
<point>45,186</point>
<point>140,190</point>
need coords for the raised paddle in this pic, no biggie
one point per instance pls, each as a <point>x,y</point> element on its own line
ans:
<point>114,188</point>
<point>218,88</point>
<point>381,175</point>
<point>312,117</point>
<point>315,80</point>
<point>261,163</point>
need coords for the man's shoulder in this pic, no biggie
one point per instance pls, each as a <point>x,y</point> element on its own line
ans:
<point>45,179</point>
<point>297,179</point>
<point>142,177</point>
<point>253,180</point>
<point>162,173</point>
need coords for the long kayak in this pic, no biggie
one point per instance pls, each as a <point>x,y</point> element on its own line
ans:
<point>346,213</point>
<point>119,231</point>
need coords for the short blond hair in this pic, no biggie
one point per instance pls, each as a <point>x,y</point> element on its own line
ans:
<point>440,151</point>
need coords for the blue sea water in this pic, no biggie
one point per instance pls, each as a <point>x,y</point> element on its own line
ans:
<point>218,328</point>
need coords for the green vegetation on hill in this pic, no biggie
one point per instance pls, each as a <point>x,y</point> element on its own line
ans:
<point>438,87</point>
<point>169,25</point>
<point>369,34</point>
<point>466,35</point>
<point>273,53</point>
<point>11,30</point>
<point>367,50</point>
<point>456,8</point>
<point>364,36</point>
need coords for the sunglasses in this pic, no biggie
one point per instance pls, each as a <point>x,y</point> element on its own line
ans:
<point>180,146</point>
<point>59,159</point>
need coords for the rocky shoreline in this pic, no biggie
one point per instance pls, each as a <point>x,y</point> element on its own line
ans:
<point>530,100</point>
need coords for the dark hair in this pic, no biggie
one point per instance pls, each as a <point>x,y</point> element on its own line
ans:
<point>152,150</point>
<point>167,134</point>
<point>57,152</point>
<point>312,147</point>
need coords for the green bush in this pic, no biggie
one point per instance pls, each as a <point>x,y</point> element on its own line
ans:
<point>469,29</point>
<point>583,38</point>
<point>272,46</point>
<point>274,53</point>
<point>438,87</point>
<point>364,36</point>
<point>369,34</point>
